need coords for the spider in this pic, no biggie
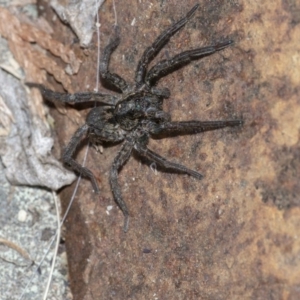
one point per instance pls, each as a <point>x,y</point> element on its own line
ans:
<point>137,114</point>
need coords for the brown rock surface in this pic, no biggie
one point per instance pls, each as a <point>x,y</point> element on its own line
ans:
<point>235,234</point>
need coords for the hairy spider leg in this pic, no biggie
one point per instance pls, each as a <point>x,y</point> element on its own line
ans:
<point>192,127</point>
<point>163,67</point>
<point>118,162</point>
<point>149,154</point>
<point>160,41</point>
<point>74,98</point>
<point>68,160</point>
<point>112,78</point>
<point>160,92</point>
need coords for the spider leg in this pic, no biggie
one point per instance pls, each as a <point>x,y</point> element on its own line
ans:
<point>146,152</point>
<point>160,92</point>
<point>73,98</point>
<point>160,41</point>
<point>119,161</point>
<point>69,151</point>
<point>191,127</point>
<point>112,78</point>
<point>165,66</point>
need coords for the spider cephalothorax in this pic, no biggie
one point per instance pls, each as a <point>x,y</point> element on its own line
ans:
<point>137,114</point>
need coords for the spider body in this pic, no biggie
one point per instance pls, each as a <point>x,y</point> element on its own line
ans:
<point>136,106</point>
<point>136,115</point>
<point>103,126</point>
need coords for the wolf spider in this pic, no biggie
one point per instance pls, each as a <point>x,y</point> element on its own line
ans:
<point>137,114</point>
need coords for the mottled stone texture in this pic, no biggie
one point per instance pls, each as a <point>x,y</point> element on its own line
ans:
<point>235,234</point>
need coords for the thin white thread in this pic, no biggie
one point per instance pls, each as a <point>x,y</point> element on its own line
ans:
<point>58,232</point>
<point>115,13</point>
<point>98,48</point>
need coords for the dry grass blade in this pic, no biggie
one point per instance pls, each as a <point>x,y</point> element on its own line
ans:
<point>17,248</point>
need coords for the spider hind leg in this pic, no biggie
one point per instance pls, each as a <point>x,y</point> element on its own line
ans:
<point>68,160</point>
<point>191,127</point>
<point>161,161</point>
<point>119,161</point>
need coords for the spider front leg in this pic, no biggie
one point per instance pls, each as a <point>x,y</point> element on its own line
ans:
<point>69,151</point>
<point>191,127</point>
<point>119,161</point>
<point>161,161</point>
<point>112,78</point>
<point>160,41</point>
<point>73,98</point>
<point>165,66</point>
<point>160,92</point>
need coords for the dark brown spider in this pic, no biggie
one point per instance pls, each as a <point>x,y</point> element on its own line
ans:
<point>137,114</point>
